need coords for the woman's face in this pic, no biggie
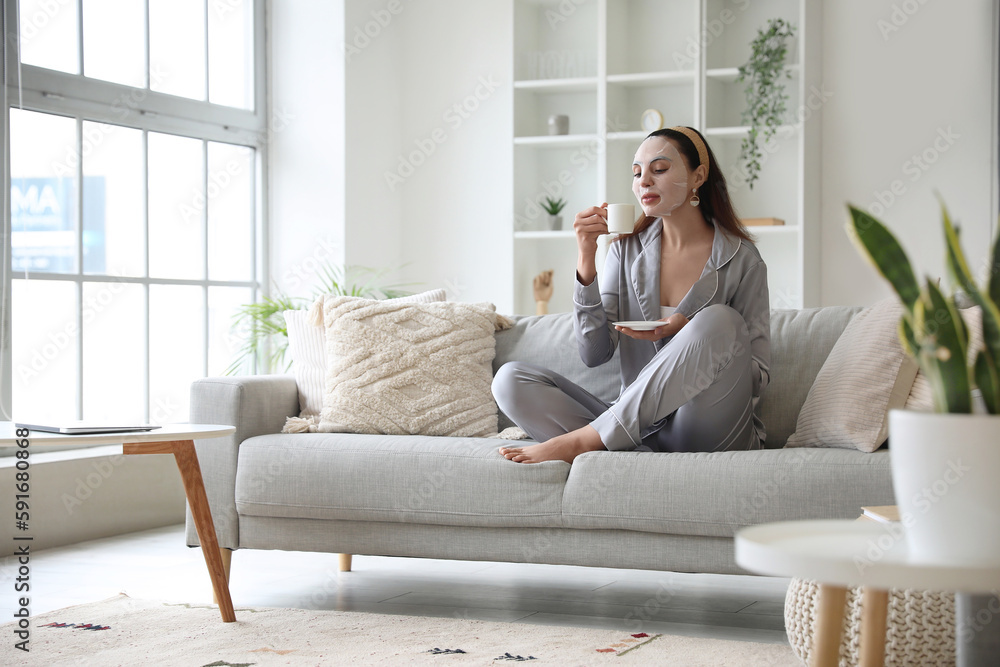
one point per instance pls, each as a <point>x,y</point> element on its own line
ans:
<point>660,178</point>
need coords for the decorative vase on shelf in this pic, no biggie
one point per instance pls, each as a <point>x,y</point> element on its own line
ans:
<point>555,222</point>
<point>558,124</point>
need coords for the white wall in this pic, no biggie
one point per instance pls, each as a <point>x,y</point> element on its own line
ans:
<point>904,85</point>
<point>306,140</point>
<point>428,144</point>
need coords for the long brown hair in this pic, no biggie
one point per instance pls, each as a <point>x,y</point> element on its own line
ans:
<point>716,205</point>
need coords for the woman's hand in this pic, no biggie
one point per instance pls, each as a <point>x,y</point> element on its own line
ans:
<point>589,224</point>
<point>671,325</point>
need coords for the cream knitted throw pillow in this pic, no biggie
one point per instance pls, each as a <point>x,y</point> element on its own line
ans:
<point>399,369</point>
<point>307,347</point>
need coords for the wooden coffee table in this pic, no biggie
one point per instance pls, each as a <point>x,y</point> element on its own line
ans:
<point>176,439</point>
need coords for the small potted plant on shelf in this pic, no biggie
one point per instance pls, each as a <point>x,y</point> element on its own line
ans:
<point>945,463</point>
<point>553,207</point>
<point>765,92</point>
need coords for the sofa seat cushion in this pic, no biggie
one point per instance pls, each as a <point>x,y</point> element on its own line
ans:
<point>717,493</point>
<point>413,479</point>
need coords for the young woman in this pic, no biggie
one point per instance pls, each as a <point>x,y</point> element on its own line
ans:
<point>691,384</point>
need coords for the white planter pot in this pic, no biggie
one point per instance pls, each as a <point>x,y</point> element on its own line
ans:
<point>946,477</point>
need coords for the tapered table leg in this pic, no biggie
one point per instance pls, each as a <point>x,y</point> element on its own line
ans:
<point>829,626</point>
<point>874,609</point>
<point>194,488</point>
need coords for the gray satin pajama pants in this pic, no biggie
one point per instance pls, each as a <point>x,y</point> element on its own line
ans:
<point>695,395</point>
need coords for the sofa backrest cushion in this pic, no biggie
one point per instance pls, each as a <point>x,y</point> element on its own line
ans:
<point>801,340</point>
<point>549,341</point>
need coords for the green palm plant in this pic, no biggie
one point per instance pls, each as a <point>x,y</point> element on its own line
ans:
<point>262,324</point>
<point>931,329</point>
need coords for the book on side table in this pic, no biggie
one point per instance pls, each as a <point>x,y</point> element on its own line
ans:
<point>881,513</point>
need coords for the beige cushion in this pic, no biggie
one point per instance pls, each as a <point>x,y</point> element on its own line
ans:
<point>866,375</point>
<point>921,398</point>
<point>307,347</point>
<point>418,369</point>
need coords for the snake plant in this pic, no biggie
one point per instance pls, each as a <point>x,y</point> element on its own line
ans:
<point>931,329</point>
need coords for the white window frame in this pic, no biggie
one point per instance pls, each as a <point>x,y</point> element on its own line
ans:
<point>86,99</point>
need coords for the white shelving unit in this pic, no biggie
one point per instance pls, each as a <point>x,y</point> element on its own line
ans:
<point>602,63</point>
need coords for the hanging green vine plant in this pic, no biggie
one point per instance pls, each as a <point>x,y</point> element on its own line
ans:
<point>765,92</point>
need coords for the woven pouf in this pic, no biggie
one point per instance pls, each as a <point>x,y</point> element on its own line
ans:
<point>920,626</point>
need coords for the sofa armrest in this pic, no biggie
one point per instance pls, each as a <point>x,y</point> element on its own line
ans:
<point>255,405</point>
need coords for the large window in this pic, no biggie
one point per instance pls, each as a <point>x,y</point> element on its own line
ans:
<point>134,228</point>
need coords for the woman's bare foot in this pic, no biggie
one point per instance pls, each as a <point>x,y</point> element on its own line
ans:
<point>561,448</point>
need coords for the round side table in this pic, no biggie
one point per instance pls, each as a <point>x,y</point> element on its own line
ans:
<point>843,553</point>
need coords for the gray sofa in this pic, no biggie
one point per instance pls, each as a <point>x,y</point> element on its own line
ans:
<point>457,498</point>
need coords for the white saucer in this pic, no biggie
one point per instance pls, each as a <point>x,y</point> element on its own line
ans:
<point>639,325</point>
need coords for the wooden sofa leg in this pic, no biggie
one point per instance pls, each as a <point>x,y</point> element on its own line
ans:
<point>345,562</point>
<point>227,565</point>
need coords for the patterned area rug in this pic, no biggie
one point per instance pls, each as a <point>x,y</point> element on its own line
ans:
<point>126,631</point>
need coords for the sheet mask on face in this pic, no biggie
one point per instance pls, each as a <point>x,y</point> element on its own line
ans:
<point>662,184</point>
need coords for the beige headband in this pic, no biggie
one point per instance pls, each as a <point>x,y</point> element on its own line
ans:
<point>696,140</point>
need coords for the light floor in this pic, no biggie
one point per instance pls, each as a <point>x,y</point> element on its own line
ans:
<point>155,564</point>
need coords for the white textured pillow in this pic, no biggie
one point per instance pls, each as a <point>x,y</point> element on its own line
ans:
<point>307,347</point>
<point>866,375</point>
<point>399,369</point>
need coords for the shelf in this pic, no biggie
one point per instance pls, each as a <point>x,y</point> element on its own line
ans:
<point>729,74</point>
<point>576,85</point>
<point>546,234</point>
<point>727,132</point>
<point>632,135</point>
<point>741,131</point>
<point>651,79</point>
<point>561,140</point>
<point>724,74</point>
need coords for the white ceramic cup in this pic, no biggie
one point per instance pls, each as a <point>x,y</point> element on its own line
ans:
<point>621,218</point>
